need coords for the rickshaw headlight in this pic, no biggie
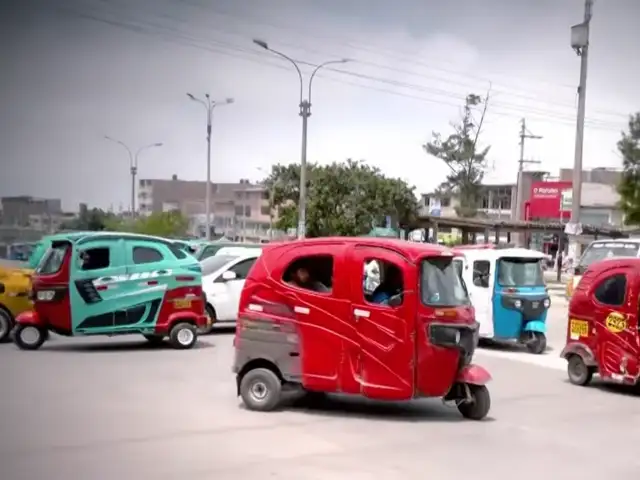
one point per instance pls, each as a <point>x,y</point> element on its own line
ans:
<point>45,295</point>
<point>517,303</point>
<point>546,303</point>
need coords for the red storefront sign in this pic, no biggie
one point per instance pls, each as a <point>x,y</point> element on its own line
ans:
<point>545,200</point>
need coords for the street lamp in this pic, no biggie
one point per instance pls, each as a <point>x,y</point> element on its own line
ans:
<point>209,105</point>
<point>305,113</point>
<point>133,163</point>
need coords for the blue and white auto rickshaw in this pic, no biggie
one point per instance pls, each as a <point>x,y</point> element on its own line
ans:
<point>507,289</point>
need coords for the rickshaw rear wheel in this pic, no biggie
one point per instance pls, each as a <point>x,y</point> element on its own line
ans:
<point>261,390</point>
<point>183,336</point>
<point>478,406</point>
<point>29,337</point>
<point>6,325</point>
<point>537,344</point>
<point>579,372</point>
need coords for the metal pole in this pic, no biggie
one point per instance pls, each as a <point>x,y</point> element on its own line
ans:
<point>208,187</point>
<point>577,162</point>
<point>305,113</point>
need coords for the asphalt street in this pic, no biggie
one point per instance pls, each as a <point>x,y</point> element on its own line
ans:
<point>98,409</point>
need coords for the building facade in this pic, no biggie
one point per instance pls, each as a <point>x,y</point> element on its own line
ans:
<point>238,210</point>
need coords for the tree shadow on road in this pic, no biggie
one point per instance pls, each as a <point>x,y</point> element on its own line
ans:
<point>424,410</point>
<point>118,346</point>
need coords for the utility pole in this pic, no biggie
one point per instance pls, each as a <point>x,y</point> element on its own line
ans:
<point>305,113</point>
<point>524,134</point>
<point>580,43</point>
<point>209,105</point>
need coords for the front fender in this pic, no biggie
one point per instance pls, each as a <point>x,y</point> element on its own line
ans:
<point>535,326</point>
<point>30,317</point>
<point>582,350</point>
<point>474,375</point>
<point>200,320</point>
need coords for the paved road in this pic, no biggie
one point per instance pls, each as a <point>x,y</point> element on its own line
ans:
<point>107,409</point>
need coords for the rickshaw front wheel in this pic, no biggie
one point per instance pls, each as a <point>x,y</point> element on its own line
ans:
<point>29,337</point>
<point>537,344</point>
<point>579,372</point>
<point>478,405</point>
<point>183,336</point>
<point>6,325</point>
<point>261,390</point>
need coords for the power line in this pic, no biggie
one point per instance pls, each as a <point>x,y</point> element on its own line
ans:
<point>177,37</point>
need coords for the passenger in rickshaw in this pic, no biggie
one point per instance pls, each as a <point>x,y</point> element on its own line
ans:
<point>301,277</point>
<point>391,286</point>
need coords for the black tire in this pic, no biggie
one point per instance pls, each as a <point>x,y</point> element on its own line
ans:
<point>480,403</point>
<point>261,390</point>
<point>578,371</point>
<point>23,343</point>
<point>183,336</point>
<point>154,339</point>
<point>538,344</point>
<point>210,311</point>
<point>6,325</point>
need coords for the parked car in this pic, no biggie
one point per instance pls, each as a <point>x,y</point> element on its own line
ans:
<point>223,277</point>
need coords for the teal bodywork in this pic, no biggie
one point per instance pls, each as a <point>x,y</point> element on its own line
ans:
<point>45,243</point>
<point>128,292</point>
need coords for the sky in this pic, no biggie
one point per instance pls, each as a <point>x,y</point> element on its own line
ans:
<point>75,71</point>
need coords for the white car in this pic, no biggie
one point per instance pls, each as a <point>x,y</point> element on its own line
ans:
<point>223,277</point>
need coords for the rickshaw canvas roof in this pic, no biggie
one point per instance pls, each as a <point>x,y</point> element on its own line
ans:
<point>494,255</point>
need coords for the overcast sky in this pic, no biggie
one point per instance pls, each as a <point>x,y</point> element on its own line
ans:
<point>74,71</point>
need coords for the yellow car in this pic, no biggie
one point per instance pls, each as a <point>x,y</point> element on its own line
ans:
<point>15,285</point>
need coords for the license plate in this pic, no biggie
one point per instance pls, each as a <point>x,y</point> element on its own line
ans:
<point>180,304</point>
<point>535,304</point>
<point>579,328</point>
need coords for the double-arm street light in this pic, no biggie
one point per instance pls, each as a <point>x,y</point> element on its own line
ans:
<point>305,113</point>
<point>209,105</point>
<point>133,162</point>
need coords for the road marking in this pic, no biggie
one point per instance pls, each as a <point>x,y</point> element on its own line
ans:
<point>549,360</point>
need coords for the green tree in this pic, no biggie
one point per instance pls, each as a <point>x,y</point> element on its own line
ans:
<point>461,153</point>
<point>89,220</point>
<point>162,224</point>
<point>629,187</point>
<point>347,198</point>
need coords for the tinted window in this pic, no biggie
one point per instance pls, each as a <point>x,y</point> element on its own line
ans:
<point>481,272</point>
<point>146,255</point>
<point>521,272</point>
<point>95,258</point>
<point>611,291</point>
<point>440,284</point>
<point>602,250</point>
<point>241,269</point>
<point>178,252</point>
<point>208,251</point>
<point>52,260</point>
<point>215,263</point>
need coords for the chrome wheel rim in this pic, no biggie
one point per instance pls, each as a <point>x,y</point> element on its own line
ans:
<point>259,391</point>
<point>30,335</point>
<point>185,336</point>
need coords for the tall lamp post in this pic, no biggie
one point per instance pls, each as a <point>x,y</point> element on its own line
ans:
<point>305,113</point>
<point>133,162</point>
<point>209,105</point>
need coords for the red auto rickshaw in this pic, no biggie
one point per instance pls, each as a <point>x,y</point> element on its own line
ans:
<point>306,322</point>
<point>602,333</point>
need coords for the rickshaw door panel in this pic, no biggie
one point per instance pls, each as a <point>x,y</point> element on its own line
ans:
<point>384,333</point>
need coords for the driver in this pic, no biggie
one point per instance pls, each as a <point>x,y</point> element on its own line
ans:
<point>390,287</point>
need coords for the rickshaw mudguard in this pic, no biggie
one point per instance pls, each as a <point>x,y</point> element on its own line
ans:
<point>30,317</point>
<point>582,350</point>
<point>474,375</point>
<point>535,326</point>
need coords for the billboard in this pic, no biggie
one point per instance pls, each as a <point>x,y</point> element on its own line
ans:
<point>550,200</point>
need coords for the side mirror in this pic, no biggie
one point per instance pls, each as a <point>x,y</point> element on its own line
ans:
<point>395,301</point>
<point>228,275</point>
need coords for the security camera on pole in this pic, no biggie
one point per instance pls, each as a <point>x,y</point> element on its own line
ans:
<point>580,43</point>
<point>305,113</point>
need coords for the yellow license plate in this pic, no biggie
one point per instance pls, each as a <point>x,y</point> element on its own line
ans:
<point>579,328</point>
<point>182,304</point>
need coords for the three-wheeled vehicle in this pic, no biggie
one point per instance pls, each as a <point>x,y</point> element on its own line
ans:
<point>114,284</point>
<point>306,321</point>
<point>602,333</point>
<point>507,289</point>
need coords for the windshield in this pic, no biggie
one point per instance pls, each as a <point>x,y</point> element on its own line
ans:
<point>213,264</point>
<point>52,260</point>
<point>603,250</point>
<point>440,283</point>
<point>520,272</point>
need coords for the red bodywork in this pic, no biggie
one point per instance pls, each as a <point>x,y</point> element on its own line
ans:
<point>608,341</point>
<point>386,355</point>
